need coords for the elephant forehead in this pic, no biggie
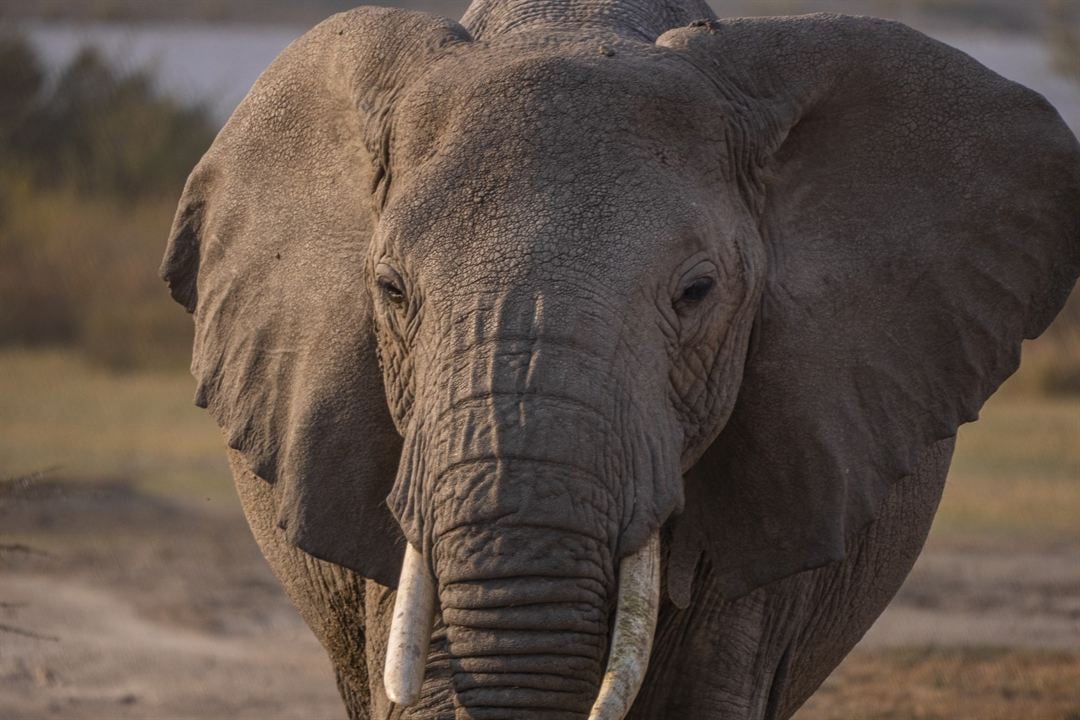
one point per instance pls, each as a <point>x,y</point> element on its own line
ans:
<point>557,153</point>
<point>498,239</point>
<point>581,108</point>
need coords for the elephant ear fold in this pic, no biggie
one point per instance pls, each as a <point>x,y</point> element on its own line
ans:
<point>921,217</point>
<point>268,251</point>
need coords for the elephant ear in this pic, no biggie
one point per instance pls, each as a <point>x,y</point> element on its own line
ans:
<point>268,251</point>
<point>921,217</point>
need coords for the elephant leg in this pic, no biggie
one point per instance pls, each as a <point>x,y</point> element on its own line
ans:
<point>354,697</point>
<point>330,598</point>
<point>761,656</point>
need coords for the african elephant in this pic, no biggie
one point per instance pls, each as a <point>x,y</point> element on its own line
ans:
<point>628,343</point>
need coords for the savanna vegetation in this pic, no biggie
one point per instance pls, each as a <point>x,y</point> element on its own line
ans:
<point>93,161</point>
<point>1063,34</point>
<point>970,683</point>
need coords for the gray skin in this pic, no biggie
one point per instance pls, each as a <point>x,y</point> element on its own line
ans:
<point>525,290</point>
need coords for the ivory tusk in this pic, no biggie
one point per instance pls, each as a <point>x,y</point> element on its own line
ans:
<point>410,630</point>
<point>635,625</point>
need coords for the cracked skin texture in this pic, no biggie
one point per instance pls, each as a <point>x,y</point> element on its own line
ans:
<point>525,289</point>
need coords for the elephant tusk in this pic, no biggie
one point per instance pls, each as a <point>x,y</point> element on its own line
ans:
<point>635,625</point>
<point>410,630</point>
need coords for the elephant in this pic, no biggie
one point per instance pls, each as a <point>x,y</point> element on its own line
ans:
<point>604,358</point>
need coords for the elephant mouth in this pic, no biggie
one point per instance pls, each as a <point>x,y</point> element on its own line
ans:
<point>628,655</point>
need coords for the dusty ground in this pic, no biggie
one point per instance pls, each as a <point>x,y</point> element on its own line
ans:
<point>152,610</point>
<point>148,608</point>
<point>980,631</point>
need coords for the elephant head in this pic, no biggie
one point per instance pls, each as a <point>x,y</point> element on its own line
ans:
<point>580,284</point>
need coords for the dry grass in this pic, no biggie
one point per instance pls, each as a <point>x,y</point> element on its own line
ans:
<point>1016,473</point>
<point>60,412</point>
<point>84,272</point>
<point>950,684</point>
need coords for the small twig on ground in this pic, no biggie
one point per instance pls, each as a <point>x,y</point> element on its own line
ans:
<point>27,633</point>
<point>21,482</point>
<point>25,549</point>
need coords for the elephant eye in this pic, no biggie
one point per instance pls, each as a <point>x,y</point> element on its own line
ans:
<point>696,291</point>
<point>392,292</point>
<point>390,284</point>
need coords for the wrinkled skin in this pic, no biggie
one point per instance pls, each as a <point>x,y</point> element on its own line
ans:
<point>574,273</point>
<point>760,656</point>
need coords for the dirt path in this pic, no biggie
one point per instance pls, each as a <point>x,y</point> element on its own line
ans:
<point>169,612</point>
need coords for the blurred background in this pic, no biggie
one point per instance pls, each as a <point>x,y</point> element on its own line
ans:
<point>129,585</point>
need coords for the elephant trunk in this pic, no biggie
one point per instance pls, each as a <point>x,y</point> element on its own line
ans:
<point>525,597</point>
<point>513,679</point>
<point>525,477</point>
<point>523,583</point>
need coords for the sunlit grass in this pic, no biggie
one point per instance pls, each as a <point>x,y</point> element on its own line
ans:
<point>60,412</point>
<point>1016,472</point>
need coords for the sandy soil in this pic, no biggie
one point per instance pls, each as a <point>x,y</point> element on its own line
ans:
<point>114,604</point>
<point>152,610</point>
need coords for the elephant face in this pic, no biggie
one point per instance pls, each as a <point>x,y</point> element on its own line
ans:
<point>563,272</point>
<point>509,299</point>
<point>563,276</point>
